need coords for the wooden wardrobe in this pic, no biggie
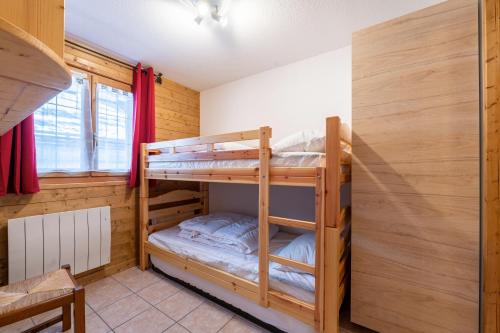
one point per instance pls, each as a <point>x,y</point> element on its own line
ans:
<point>416,172</point>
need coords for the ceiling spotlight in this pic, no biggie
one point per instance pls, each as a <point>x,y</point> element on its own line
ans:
<point>204,9</point>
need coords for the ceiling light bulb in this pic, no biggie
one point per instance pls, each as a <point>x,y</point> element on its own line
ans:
<point>203,9</point>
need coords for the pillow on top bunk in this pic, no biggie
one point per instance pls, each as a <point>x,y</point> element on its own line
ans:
<point>302,248</point>
<point>311,141</point>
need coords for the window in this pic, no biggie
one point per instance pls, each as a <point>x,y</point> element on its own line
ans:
<point>75,134</point>
<point>63,131</point>
<point>114,128</point>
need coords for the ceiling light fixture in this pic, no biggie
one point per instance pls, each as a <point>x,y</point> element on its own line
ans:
<point>209,9</point>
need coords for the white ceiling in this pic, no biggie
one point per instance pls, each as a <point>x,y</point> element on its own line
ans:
<point>260,34</point>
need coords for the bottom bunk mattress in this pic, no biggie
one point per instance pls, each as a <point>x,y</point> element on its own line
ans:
<point>246,266</point>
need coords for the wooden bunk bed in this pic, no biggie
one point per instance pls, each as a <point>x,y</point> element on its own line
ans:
<point>331,225</point>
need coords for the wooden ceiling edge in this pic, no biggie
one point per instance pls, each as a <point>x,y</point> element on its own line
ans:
<point>29,39</point>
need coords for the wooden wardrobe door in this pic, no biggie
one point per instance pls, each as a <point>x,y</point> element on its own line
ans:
<point>415,182</point>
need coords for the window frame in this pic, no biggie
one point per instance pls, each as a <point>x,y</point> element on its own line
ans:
<point>92,175</point>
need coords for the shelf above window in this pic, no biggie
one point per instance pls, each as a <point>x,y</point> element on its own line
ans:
<point>30,75</point>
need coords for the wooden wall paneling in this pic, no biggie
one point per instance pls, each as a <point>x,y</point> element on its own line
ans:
<point>415,177</point>
<point>491,166</point>
<point>44,19</point>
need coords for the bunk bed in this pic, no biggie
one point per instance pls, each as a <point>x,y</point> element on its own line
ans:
<point>201,159</point>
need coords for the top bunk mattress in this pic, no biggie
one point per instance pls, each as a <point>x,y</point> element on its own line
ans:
<point>281,159</point>
<point>245,266</point>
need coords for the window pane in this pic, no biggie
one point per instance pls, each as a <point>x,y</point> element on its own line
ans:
<point>114,128</point>
<point>62,130</point>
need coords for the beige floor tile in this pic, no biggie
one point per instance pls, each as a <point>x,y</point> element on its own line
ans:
<point>207,318</point>
<point>177,329</point>
<point>180,304</point>
<point>150,321</point>
<point>105,292</point>
<point>17,327</point>
<point>135,279</point>
<point>159,291</point>
<point>123,310</point>
<point>241,325</point>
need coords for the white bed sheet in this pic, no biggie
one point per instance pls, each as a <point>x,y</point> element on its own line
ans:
<point>245,266</point>
<point>282,159</point>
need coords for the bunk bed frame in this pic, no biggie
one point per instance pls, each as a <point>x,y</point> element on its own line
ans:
<point>332,222</point>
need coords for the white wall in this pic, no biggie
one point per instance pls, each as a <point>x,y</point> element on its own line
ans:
<point>289,99</point>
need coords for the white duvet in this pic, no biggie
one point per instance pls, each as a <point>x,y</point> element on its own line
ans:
<point>227,231</point>
<point>245,266</point>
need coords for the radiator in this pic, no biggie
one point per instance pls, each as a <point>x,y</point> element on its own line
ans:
<point>43,243</point>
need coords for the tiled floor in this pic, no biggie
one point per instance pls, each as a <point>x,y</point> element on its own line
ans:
<point>146,302</point>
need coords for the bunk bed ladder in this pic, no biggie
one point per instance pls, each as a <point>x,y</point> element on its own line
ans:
<point>318,226</point>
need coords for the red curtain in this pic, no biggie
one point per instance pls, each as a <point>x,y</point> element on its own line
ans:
<point>18,159</point>
<point>143,89</point>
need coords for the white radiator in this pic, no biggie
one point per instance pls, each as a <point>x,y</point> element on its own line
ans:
<point>43,243</point>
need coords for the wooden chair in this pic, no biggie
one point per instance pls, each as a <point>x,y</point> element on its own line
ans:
<point>25,299</point>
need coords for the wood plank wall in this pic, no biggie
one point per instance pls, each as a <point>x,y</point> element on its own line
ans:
<point>491,188</point>
<point>177,112</point>
<point>415,178</point>
<point>44,19</point>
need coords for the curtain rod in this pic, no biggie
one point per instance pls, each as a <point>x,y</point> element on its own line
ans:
<point>158,76</point>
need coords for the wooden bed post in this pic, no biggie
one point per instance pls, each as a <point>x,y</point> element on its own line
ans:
<point>320,241</point>
<point>331,232</point>
<point>333,155</point>
<point>264,157</point>
<point>144,210</point>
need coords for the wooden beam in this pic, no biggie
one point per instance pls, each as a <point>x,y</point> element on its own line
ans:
<point>203,140</point>
<point>293,263</point>
<point>264,161</point>
<point>143,210</point>
<point>320,248</point>
<point>333,153</point>
<point>292,223</point>
<point>174,210</point>
<point>174,196</point>
<point>243,154</point>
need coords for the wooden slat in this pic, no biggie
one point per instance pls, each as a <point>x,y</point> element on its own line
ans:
<point>243,154</point>
<point>174,210</point>
<point>286,177</point>
<point>293,263</point>
<point>292,223</point>
<point>202,140</point>
<point>169,223</point>
<point>174,196</point>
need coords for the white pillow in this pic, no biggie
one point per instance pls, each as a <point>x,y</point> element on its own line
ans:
<point>302,248</point>
<point>305,141</point>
